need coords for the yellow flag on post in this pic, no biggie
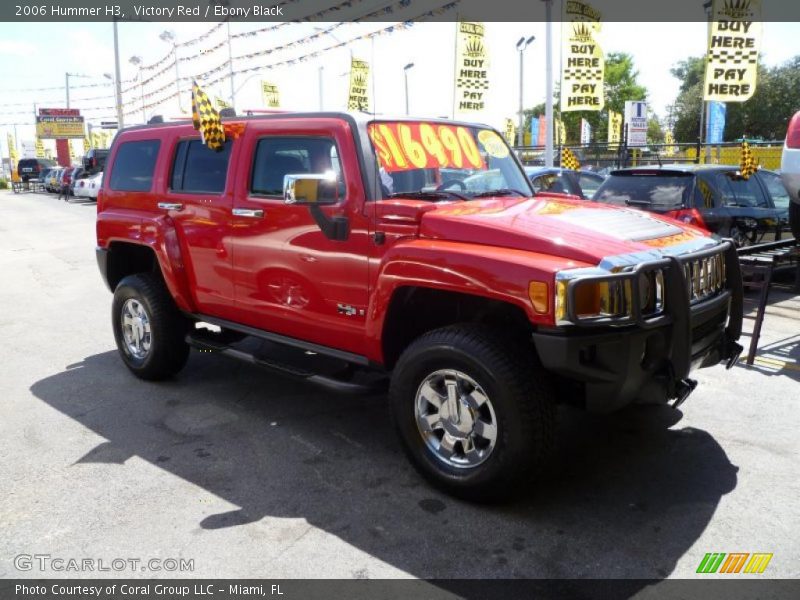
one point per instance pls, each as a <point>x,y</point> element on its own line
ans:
<point>569,160</point>
<point>206,120</point>
<point>583,69</point>
<point>472,68</point>
<point>269,91</point>
<point>734,40</point>
<point>358,96</point>
<point>747,164</point>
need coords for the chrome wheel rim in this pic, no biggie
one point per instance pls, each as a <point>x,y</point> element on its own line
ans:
<point>136,332</point>
<point>456,418</point>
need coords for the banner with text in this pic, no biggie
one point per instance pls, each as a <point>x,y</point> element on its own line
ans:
<point>358,98</point>
<point>269,91</point>
<point>586,132</point>
<point>636,122</point>
<point>583,62</point>
<point>472,68</point>
<point>614,128</point>
<point>733,42</point>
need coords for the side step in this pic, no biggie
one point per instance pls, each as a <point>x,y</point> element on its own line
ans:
<point>331,374</point>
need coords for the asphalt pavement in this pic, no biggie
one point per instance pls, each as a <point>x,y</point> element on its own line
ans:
<point>244,473</point>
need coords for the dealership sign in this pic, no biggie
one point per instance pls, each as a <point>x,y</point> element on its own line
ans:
<point>59,123</point>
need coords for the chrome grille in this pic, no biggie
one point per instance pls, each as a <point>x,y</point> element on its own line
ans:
<point>705,277</point>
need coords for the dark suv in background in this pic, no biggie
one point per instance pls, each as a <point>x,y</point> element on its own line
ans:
<point>30,168</point>
<point>714,197</point>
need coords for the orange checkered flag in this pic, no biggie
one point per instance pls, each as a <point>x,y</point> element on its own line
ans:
<point>569,160</point>
<point>206,120</point>
<point>747,163</point>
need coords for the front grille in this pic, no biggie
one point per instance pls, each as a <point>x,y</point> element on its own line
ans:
<point>705,277</point>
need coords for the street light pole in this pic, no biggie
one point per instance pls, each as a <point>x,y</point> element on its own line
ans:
<point>117,78</point>
<point>319,80</point>
<point>405,77</point>
<point>67,88</point>
<point>548,149</point>
<point>522,44</point>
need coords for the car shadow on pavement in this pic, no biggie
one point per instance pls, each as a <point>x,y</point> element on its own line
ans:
<point>626,496</point>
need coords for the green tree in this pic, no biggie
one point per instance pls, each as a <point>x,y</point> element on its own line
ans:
<point>765,115</point>
<point>620,84</point>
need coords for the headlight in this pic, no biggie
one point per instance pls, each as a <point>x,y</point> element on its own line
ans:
<point>609,298</point>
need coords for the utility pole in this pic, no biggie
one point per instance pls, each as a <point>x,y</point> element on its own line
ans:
<point>230,66</point>
<point>117,79</point>
<point>67,87</point>
<point>405,77</point>
<point>319,80</point>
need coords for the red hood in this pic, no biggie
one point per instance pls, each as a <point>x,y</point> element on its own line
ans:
<point>574,229</point>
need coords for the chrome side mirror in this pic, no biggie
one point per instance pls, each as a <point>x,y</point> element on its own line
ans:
<point>311,188</point>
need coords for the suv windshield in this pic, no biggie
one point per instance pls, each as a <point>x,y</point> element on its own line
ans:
<point>443,161</point>
<point>653,191</point>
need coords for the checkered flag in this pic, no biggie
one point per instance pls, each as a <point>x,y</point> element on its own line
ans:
<point>568,160</point>
<point>747,164</point>
<point>205,119</point>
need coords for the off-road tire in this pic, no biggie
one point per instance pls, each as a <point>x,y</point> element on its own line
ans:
<point>168,351</point>
<point>521,394</point>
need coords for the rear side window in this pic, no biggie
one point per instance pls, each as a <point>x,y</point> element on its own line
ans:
<point>276,157</point>
<point>200,169</point>
<point>746,192</point>
<point>134,165</point>
<point>776,189</point>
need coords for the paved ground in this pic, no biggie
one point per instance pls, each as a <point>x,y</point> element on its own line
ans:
<point>250,474</point>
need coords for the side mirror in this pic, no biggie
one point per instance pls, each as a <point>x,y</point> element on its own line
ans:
<point>311,188</point>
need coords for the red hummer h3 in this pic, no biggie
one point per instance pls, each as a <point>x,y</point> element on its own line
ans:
<point>350,251</point>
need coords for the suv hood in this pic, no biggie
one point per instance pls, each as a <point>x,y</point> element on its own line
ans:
<point>577,230</point>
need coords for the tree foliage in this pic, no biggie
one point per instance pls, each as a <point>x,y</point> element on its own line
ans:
<point>765,115</point>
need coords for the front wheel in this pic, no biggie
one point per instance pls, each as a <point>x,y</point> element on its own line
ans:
<point>474,411</point>
<point>149,330</point>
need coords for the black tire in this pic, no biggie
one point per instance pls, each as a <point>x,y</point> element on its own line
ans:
<point>794,219</point>
<point>168,350</point>
<point>520,393</point>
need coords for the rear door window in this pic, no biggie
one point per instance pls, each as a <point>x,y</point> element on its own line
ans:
<point>134,165</point>
<point>589,183</point>
<point>775,187</point>
<point>199,169</point>
<point>746,192</point>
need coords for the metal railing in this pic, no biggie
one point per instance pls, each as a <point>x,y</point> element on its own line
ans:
<point>598,157</point>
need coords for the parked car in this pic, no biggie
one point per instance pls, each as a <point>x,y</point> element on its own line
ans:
<point>564,181</point>
<point>95,160</point>
<point>714,197</point>
<point>790,172</point>
<point>44,175</point>
<point>54,179</point>
<point>87,187</point>
<point>76,173</point>
<point>29,168</point>
<point>471,302</point>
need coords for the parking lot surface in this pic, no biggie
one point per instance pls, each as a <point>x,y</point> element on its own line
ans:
<point>250,474</point>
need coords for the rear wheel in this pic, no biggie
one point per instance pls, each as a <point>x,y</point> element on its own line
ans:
<point>474,411</point>
<point>149,329</point>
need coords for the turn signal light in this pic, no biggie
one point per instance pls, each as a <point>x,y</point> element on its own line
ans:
<point>540,296</point>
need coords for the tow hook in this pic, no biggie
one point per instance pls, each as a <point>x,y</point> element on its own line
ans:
<point>682,389</point>
<point>734,352</point>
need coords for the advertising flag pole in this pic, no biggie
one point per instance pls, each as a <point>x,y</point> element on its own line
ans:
<point>548,151</point>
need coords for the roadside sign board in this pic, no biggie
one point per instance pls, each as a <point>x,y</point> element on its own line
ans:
<point>54,128</point>
<point>636,122</point>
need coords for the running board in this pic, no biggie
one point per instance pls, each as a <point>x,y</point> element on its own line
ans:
<point>296,364</point>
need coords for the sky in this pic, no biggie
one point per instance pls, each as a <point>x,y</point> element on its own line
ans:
<point>37,55</point>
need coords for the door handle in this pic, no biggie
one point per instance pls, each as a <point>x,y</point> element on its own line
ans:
<point>253,213</point>
<point>170,206</point>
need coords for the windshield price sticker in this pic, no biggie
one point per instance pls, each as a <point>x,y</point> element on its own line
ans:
<point>407,146</point>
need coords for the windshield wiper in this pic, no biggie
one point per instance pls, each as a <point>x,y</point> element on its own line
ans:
<point>433,195</point>
<point>500,192</point>
<point>638,202</point>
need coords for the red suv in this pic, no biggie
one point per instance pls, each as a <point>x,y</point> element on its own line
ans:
<point>349,251</point>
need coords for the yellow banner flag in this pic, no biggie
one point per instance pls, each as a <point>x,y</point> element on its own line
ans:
<point>614,128</point>
<point>358,97</point>
<point>561,132</point>
<point>583,63</point>
<point>510,132</point>
<point>87,145</point>
<point>221,103</point>
<point>12,151</point>
<point>734,39</point>
<point>269,91</point>
<point>472,68</point>
<point>669,140</point>
<point>39,148</point>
